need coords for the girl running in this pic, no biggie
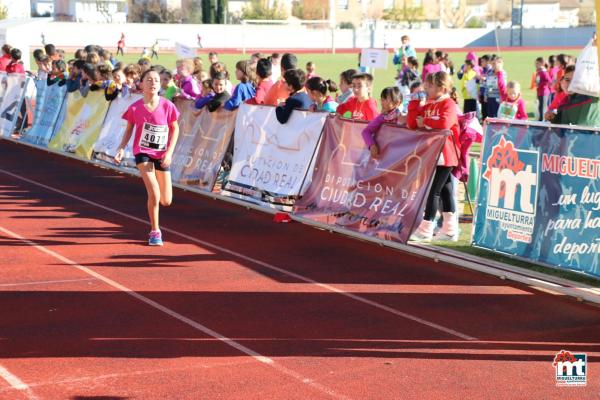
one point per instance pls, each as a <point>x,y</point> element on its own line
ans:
<point>156,130</point>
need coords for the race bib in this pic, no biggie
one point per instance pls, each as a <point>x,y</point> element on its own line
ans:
<point>507,111</point>
<point>154,137</point>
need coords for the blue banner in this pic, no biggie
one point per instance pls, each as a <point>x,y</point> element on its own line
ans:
<point>539,194</point>
<point>46,122</point>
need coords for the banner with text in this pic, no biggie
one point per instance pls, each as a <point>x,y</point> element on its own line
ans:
<point>539,195</point>
<point>48,115</point>
<point>81,127</point>
<point>381,196</point>
<point>270,157</point>
<point>112,132</point>
<point>12,90</point>
<point>199,153</point>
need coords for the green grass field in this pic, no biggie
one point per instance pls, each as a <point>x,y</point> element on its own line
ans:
<point>518,64</point>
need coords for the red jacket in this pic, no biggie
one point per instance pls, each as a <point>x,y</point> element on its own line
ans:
<point>15,68</point>
<point>261,92</point>
<point>362,111</point>
<point>439,114</point>
<point>4,61</point>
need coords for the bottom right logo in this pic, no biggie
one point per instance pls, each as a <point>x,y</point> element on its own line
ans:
<point>571,368</point>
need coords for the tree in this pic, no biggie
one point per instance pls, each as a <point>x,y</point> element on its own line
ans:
<point>455,15</point>
<point>310,10</point>
<point>407,13</point>
<point>208,11</point>
<point>221,11</point>
<point>259,9</point>
<point>153,11</point>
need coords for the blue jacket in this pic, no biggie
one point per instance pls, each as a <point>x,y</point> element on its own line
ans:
<point>298,100</point>
<point>241,93</point>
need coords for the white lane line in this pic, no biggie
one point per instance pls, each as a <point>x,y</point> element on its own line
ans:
<point>46,282</point>
<point>16,383</point>
<point>330,288</point>
<point>199,327</point>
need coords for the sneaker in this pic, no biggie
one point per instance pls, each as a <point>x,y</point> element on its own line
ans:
<point>423,233</point>
<point>442,237</point>
<point>155,239</point>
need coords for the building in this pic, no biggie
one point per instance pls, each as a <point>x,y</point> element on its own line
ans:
<point>17,9</point>
<point>42,8</point>
<point>108,11</point>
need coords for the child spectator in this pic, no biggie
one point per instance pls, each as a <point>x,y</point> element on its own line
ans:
<point>44,66</point>
<point>409,76</point>
<point>346,86</point>
<point>275,66</point>
<point>93,58</point>
<point>199,72</point>
<point>279,91</point>
<point>561,95</point>
<point>361,106</point>
<point>553,71</point>
<point>167,86</point>
<point>430,65</point>
<point>189,85</point>
<point>406,50</point>
<point>51,52</point>
<point>486,67</point>
<point>294,80</point>
<point>245,89</point>
<point>116,86</point>
<point>16,65</point>
<point>74,81</point>
<point>81,54</point>
<point>206,96</point>
<point>438,113</point>
<point>217,67</point>
<point>310,70</point>
<point>391,101</point>
<point>495,87</point>
<point>543,83</point>
<point>469,88</point>
<point>6,57</point>
<point>263,81</point>
<point>132,77</point>
<point>144,64</point>
<point>213,58</point>
<point>58,74</point>
<point>254,59</point>
<point>105,57</point>
<point>514,105</point>
<point>317,90</point>
<point>219,96</point>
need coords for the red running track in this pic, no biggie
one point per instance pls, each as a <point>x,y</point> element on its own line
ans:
<point>238,307</point>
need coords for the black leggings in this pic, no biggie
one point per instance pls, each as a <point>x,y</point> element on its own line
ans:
<point>441,189</point>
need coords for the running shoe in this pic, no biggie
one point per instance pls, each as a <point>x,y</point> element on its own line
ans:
<point>155,239</point>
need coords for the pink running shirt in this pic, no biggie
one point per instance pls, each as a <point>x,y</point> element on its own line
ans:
<point>151,131</point>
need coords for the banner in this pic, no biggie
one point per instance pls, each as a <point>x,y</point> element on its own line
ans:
<point>539,194</point>
<point>83,120</point>
<point>273,157</point>
<point>40,97</point>
<point>199,153</point>
<point>184,51</point>
<point>381,197</point>
<point>49,114</point>
<point>12,92</point>
<point>187,119</point>
<point>113,130</point>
